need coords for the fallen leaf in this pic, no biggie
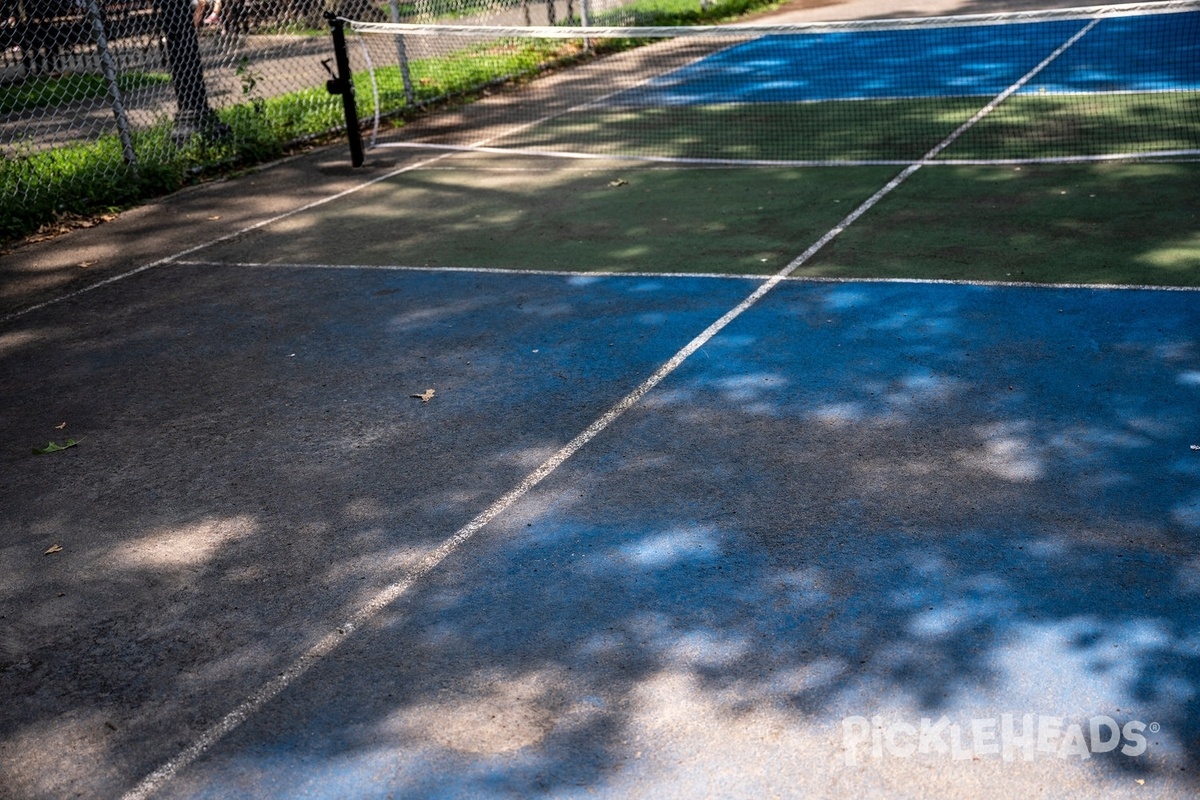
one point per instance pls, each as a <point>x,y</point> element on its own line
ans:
<point>54,448</point>
<point>1196,447</point>
<point>54,548</point>
<point>213,219</point>
<point>619,182</point>
<point>424,396</point>
<point>86,264</point>
<point>60,426</point>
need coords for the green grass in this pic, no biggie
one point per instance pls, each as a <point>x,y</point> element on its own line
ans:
<point>462,72</point>
<point>1082,223</point>
<point>676,12</point>
<point>46,91</point>
<point>74,179</point>
<point>647,12</point>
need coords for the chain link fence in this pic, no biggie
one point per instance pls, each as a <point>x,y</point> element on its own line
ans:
<point>104,102</point>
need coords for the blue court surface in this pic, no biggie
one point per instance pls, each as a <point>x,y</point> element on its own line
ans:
<point>1133,54</point>
<point>860,507</point>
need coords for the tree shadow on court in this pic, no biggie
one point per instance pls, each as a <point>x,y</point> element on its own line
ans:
<point>898,500</point>
<point>231,482</point>
<point>950,503</point>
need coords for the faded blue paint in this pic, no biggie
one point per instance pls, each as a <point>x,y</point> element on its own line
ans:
<point>1141,54</point>
<point>970,500</point>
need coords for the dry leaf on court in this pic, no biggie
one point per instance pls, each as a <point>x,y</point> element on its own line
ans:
<point>86,264</point>
<point>54,548</point>
<point>619,182</point>
<point>60,426</point>
<point>424,396</point>
<point>54,447</point>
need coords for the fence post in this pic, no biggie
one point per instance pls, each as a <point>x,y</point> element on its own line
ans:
<point>114,90</point>
<point>410,97</point>
<point>583,21</point>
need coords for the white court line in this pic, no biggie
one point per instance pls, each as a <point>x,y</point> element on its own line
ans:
<point>566,273</point>
<point>197,248</point>
<point>577,156</point>
<point>573,155</point>
<point>327,644</point>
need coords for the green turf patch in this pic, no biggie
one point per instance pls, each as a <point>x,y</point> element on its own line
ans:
<point>1022,127</point>
<point>1095,223</point>
<point>1055,125</point>
<point>523,216</point>
<point>863,129</point>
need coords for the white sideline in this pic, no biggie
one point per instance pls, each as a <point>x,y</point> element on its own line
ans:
<point>243,231</point>
<point>566,273</point>
<point>570,155</point>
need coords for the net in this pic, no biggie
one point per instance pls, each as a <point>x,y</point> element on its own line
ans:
<point>1113,82</point>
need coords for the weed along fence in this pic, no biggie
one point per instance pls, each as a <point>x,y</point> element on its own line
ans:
<point>104,102</point>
